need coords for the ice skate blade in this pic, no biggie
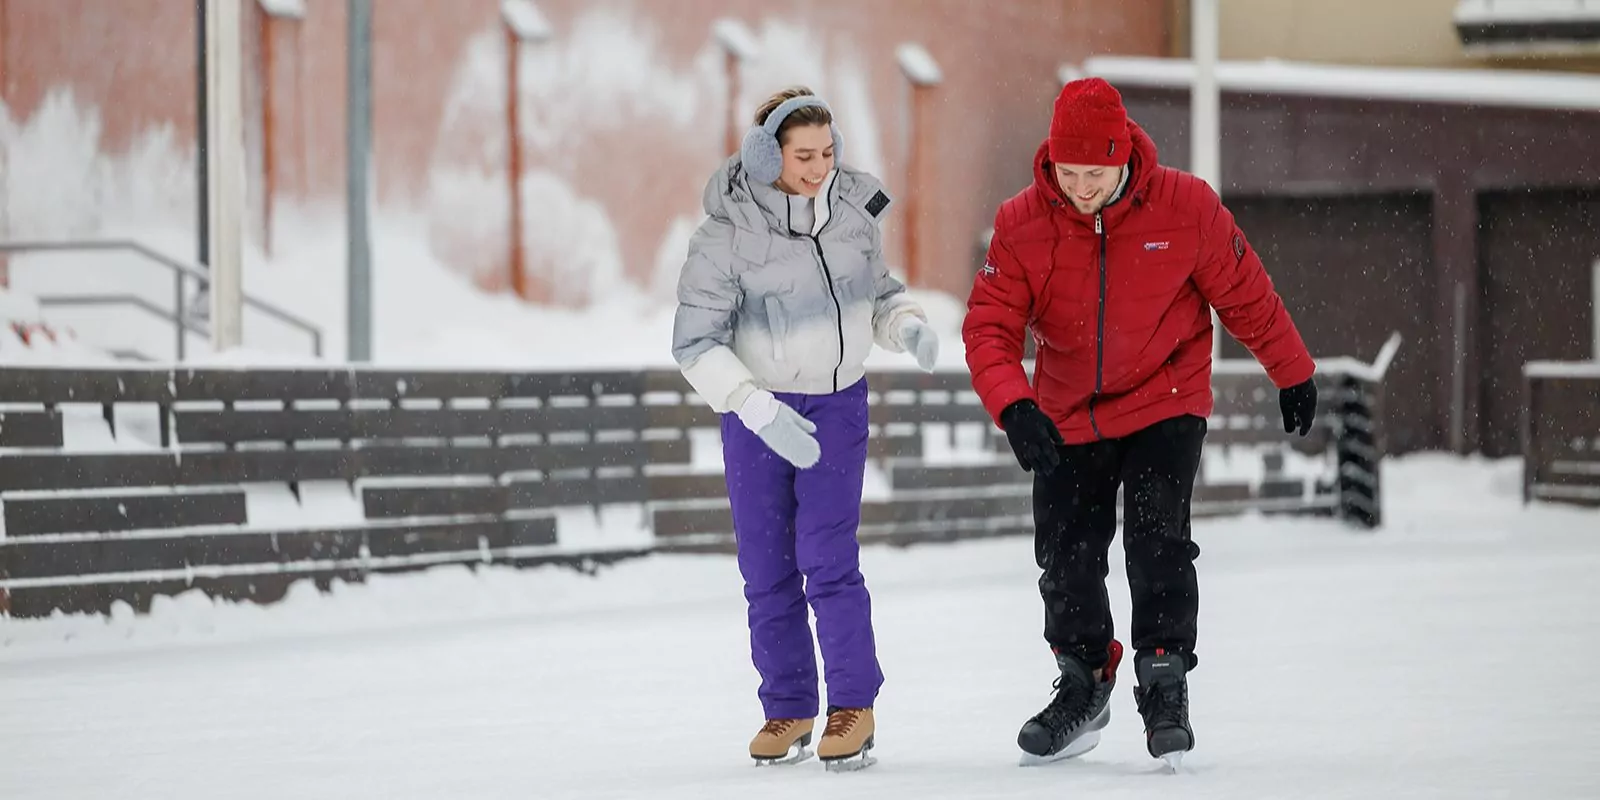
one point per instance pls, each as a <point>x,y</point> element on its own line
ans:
<point>1077,747</point>
<point>852,763</point>
<point>1174,762</point>
<point>796,755</point>
<point>855,763</point>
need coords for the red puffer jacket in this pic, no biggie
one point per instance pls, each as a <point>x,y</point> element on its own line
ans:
<point>1119,302</point>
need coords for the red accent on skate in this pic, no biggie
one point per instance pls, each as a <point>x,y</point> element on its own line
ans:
<point>1113,658</point>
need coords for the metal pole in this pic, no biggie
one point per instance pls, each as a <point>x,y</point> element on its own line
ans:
<point>1205,128</point>
<point>1594,312</point>
<point>201,123</point>
<point>1458,376</point>
<point>202,204</point>
<point>5,183</point>
<point>358,132</point>
<point>227,171</point>
<point>1205,104</point>
<point>519,277</point>
<point>179,311</point>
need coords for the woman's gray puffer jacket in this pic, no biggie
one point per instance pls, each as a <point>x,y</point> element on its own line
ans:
<point>761,307</point>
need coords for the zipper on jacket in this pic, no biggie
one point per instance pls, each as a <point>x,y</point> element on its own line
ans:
<point>827,277</point>
<point>838,312</point>
<point>1100,329</point>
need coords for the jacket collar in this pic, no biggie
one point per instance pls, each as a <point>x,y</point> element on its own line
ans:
<point>756,207</point>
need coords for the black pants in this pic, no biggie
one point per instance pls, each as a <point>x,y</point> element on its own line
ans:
<point>1075,519</point>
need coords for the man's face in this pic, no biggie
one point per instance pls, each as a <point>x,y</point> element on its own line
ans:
<point>1088,186</point>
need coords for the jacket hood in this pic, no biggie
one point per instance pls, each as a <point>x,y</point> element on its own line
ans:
<point>1142,164</point>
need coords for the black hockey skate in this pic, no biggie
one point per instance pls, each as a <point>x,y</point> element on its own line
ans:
<point>1163,699</point>
<point>1070,726</point>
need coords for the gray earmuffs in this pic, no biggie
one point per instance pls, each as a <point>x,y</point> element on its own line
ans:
<point>761,153</point>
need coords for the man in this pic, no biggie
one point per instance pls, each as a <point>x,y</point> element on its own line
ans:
<point>1115,263</point>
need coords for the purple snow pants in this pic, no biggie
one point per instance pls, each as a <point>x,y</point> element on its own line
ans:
<point>796,534</point>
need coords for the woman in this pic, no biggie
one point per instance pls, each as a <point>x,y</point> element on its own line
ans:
<point>782,296</point>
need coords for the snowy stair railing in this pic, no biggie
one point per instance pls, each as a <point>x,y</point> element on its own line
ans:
<point>182,318</point>
<point>1561,432</point>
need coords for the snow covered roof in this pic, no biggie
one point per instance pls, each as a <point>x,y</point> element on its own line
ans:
<point>1498,87</point>
<point>1471,11</point>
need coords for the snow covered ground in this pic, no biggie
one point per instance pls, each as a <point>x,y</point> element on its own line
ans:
<point>1448,655</point>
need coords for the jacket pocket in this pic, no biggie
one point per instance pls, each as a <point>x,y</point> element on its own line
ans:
<point>778,324</point>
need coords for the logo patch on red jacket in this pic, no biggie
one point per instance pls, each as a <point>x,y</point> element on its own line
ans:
<point>987,270</point>
<point>1157,245</point>
<point>1238,245</point>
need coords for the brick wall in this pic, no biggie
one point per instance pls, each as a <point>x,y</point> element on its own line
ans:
<point>624,110</point>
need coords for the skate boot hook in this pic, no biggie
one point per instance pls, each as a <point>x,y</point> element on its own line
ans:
<point>847,739</point>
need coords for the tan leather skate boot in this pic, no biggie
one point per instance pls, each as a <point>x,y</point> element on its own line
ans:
<point>847,738</point>
<point>782,741</point>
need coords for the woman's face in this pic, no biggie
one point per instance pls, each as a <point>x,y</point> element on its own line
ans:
<point>807,159</point>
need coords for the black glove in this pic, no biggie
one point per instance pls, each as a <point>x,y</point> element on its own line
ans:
<point>1033,436</point>
<point>1299,405</point>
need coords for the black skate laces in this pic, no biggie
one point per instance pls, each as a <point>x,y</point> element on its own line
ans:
<point>1163,703</point>
<point>1071,705</point>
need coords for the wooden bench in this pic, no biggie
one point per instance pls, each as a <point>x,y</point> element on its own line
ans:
<point>471,467</point>
<point>30,428</point>
<point>151,518</point>
<point>1561,432</point>
<point>121,511</point>
<point>932,501</point>
<point>90,573</point>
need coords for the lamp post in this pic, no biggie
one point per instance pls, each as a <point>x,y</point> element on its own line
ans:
<point>523,23</point>
<point>225,169</point>
<point>1205,112</point>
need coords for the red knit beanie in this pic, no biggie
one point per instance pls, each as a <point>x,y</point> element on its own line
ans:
<point>1089,125</point>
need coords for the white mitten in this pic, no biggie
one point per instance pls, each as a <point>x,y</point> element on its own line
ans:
<point>921,342</point>
<point>781,427</point>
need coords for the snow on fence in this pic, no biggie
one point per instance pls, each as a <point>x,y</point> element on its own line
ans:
<point>121,485</point>
<point>1561,432</point>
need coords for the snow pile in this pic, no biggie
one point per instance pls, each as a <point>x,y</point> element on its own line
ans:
<point>59,181</point>
<point>27,337</point>
<point>440,271</point>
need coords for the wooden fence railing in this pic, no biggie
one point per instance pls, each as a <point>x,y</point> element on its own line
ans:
<point>125,484</point>
<point>1561,432</point>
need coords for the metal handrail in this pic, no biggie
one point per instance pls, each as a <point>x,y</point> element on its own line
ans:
<point>122,300</point>
<point>179,269</point>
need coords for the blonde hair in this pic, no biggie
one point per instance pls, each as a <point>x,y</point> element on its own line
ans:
<point>810,115</point>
